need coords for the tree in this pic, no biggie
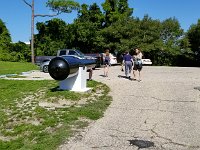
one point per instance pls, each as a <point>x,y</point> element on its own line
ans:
<point>58,6</point>
<point>20,52</point>
<point>171,31</point>
<point>116,10</point>
<point>86,28</point>
<point>5,40</point>
<point>193,35</point>
<point>149,31</point>
<point>95,15</point>
<point>52,35</point>
<point>124,9</point>
<point>5,37</point>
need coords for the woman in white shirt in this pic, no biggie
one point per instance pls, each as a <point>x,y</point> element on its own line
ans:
<point>137,63</point>
<point>106,62</point>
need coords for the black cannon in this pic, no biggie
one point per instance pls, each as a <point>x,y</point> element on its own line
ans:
<point>64,67</point>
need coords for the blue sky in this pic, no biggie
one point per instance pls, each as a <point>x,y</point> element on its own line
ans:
<point>17,15</point>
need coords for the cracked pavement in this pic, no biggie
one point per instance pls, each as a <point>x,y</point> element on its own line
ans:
<point>163,108</point>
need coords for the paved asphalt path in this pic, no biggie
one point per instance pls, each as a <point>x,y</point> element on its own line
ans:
<point>162,112</point>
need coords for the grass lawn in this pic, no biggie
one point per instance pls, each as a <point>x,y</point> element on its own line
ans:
<point>34,115</point>
<point>15,67</point>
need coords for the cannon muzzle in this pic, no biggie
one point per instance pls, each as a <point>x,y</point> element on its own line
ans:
<point>60,68</point>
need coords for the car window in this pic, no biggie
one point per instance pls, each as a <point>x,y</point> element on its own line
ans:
<point>62,52</point>
<point>72,53</point>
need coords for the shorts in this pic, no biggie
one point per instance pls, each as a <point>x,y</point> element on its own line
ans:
<point>106,63</point>
<point>89,70</point>
<point>137,67</point>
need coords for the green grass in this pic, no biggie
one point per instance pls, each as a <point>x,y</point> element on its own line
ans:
<point>25,125</point>
<point>15,67</point>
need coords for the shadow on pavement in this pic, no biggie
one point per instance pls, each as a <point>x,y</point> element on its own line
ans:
<point>141,143</point>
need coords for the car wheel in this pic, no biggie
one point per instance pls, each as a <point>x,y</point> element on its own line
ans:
<point>45,69</point>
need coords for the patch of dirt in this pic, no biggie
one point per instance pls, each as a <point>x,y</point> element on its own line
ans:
<point>34,122</point>
<point>6,138</point>
<point>49,105</point>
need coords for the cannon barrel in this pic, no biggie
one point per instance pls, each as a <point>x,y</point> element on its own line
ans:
<point>64,67</point>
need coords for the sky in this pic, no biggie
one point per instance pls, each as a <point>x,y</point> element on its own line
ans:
<point>17,15</point>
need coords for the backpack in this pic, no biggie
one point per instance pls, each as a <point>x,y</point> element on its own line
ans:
<point>138,63</point>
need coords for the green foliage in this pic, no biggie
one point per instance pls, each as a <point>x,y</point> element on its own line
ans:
<point>9,51</point>
<point>17,52</point>
<point>91,14</point>
<point>5,38</point>
<point>66,6</point>
<point>194,40</point>
<point>5,41</point>
<point>116,10</point>
<point>51,37</point>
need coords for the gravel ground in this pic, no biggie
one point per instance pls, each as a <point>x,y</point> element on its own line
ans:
<point>161,112</point>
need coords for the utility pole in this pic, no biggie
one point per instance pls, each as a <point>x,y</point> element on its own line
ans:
<point>32,29</point>
<point>32,33</point>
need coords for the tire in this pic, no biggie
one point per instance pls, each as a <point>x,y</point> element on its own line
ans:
<point>45,69</point>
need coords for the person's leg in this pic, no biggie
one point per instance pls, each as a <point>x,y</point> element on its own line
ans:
<point>107,71</point>
<point>134,72</point>
<point>90,74</point>
<point>130,68</point>
<point>129,65</point>
<point>104,70</point>
<point>126,69</point>
<point>139,74</point>
<point>122,69</point>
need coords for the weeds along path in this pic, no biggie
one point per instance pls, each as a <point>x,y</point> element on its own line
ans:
<point>160,112</point>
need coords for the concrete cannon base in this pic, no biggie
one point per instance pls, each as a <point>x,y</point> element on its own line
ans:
<point>77,83</point>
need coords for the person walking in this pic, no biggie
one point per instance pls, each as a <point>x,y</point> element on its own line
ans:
<point>121,61</point>
<point>106,62</point>
<point>128,61</point>
<point>90,74</point>
<point>137,57</point>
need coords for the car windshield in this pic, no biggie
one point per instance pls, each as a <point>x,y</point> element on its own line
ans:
<point>80,53</point>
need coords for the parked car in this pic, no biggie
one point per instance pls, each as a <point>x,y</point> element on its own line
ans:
<point>44,66</point>
<point>113,60</point>
<point>45,63</point>
<point>40,59</point>
<point>146,62</point>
